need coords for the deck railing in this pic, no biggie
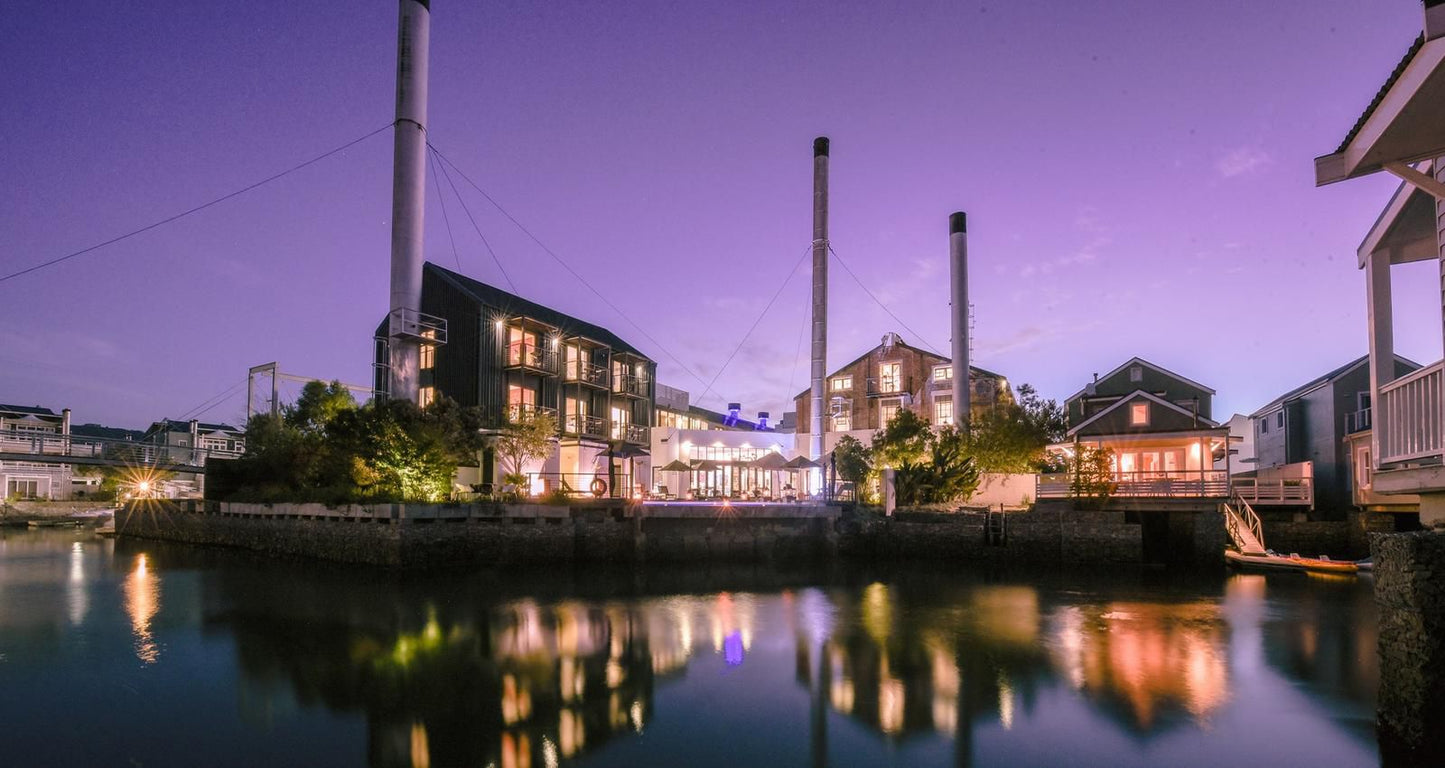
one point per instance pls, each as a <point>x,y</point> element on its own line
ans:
<point>583,372</point>
<point>1210,484</point>
<point>1357,421</point>
<point>520,354</point>
<point>586,426</point>
<point>1277,491</point>
<point>1409,420</point>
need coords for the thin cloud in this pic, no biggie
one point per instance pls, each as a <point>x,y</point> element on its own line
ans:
<point>1241,160</point>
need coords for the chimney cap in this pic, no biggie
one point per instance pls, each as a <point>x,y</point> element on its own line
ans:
<point>957,222</point>
<point>820,146</point>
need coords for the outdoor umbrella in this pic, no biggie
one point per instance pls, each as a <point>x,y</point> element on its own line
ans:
<point>769,460</point>
<point>677,465</point>
<point>802,462</point>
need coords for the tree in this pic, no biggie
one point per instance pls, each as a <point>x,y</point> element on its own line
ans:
<point>1011,437</point>
<point>854,463</point>
<point>947,476</point>
<point>1091,474</point>
<point>525,436</point>
<point>907,437</point>
<point>318,404</point>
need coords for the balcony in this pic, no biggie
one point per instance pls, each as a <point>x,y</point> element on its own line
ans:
<point>1209,484</point>
<point>1357,421</point>
<point>630,384</point>
<point>584,426</point>
<point>516,411</point>
<point>630,433</point>
<point>891,386</point>
<point>531,357</point>
<point>1410,427</point>
<point>583,372</point>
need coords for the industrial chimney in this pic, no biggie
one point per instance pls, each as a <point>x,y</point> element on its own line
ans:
<point>820,295</point>
<point>408,192</point>
<point>958,268</point>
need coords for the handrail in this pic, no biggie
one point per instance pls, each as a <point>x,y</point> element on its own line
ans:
<point>1412,376</point>
<point>1409,423</point>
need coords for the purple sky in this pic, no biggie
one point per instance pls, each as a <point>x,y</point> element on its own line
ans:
<point>1137,175</point>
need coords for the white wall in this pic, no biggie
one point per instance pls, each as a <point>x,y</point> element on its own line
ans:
<point>1012,491</point>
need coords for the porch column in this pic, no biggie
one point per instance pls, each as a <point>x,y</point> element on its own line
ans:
<point>1382,343</point>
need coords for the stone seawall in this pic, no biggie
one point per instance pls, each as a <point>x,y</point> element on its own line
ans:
<point>1410,593</point>
<point>419,536</point>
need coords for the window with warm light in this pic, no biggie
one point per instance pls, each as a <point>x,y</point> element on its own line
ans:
<point>887,409</point>
<point>1138,414</point>
<point>890,377</point>
<point>841,383</point>
<point>843,422</point>
<point>943,373</point>
<point>425,396</point>
<point>943,411</point>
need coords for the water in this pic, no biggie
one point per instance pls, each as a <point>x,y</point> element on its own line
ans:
<point>127,653</point>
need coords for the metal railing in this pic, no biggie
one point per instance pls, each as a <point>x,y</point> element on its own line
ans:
<point>1357,421</point>
<point>1410,416</point>
<point>580,484</point>
<point>630,433</point>
<point>586,426</point>
<point>583,372</point>
<point>537,357</point>
<point>890,385</point>
<point>418,326</point>
<point>519,410</point>
<point>1277,491</point>
<point>1209,484</point>
<point>630,384</point>
<point>1244,527</point>
<point>97,450</point>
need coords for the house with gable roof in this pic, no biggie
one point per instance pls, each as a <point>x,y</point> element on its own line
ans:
<point>1157,426</point>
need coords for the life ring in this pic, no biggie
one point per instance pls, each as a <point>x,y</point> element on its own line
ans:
<point>599,487</point>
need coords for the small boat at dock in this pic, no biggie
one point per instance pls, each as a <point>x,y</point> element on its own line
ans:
<point>1272,561</point>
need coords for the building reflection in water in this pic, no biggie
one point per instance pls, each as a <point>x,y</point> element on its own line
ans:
<point>142,601</point>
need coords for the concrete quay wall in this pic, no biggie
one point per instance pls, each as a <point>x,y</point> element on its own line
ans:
<point>419,536</point>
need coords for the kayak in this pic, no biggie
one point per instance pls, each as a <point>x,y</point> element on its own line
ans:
<point>1276,562</point>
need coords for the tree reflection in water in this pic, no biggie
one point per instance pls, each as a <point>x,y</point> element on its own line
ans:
<point>453,672</point>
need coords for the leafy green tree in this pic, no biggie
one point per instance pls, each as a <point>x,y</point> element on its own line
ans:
<point>854,463</point>
<point>907,437</point>
<point>948,475</point>
<point>1011,437</point>
<point>318,404</point>
<point>525,436</point>
<point>1091,474</point>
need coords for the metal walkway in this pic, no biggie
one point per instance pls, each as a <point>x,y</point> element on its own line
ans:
<point>101,452</point>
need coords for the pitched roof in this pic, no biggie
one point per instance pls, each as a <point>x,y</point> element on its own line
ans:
<point>1142,361</point>
<point>1320,381</point>
<point>1147,395</point>
<point>513,304</point>
<point>973,369</point>
<point>108,433</point>
<point>176,425</point>
<point>1380,94</point>
<point>33,410</point>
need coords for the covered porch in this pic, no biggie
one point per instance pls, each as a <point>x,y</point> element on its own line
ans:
<point>1158,465</point>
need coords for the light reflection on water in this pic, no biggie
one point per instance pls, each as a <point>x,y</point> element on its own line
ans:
<point>909,667</point>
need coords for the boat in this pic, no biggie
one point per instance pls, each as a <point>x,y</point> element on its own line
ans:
<point>1273,561</point>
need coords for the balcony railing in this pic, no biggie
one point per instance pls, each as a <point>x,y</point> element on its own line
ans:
<point>585,426</point>
<point>583,372</point>
<point>1210,484</point>
<point>519,410</point>
<point>534,357</point>
<point>1410,425</point>
<point>1276,491</point>
<point>630,384</point>
<point>1357,421</point>
<point>630,433</point>
<point>418,326</point>
<point>890,385</point>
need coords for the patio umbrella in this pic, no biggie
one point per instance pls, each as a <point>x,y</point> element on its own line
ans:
<point>802,462</point>
<point>703,465</point>
<point>769,460</point>
<point>676,465</point>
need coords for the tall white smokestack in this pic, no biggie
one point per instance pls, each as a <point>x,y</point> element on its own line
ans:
<point>820,295</point>
<point>958,269</point>
<point>408,191</point>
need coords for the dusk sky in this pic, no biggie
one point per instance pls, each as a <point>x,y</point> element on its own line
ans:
<point>1137,175</point>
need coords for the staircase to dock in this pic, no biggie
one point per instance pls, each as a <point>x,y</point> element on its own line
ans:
<point>1245,530</point>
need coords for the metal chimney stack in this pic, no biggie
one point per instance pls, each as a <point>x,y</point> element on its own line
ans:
<point>958,269</point>
<point>408,191</point>
<point>820,295</point>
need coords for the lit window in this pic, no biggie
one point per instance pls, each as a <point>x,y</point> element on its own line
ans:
<point>1139,414</point>
<point>890,377</point>
<point>887,409</point>
<point>843,422</point>
<point>943,373</point>
<point>428,350</point>
<point>841,383</point>
<point>1136,373</point>
<point>425,396</point>
<point>943,411</point>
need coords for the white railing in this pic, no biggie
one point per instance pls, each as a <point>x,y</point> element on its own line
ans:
<point>1292,491</point>
<point>1408,418</point>
<point>1209,484</point>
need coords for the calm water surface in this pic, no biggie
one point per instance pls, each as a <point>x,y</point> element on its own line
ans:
<point>126,653</point>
